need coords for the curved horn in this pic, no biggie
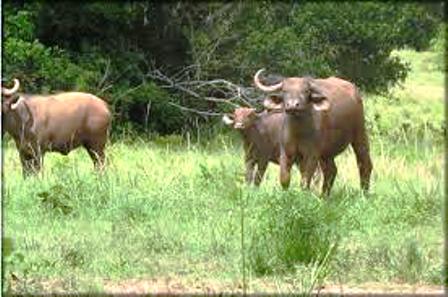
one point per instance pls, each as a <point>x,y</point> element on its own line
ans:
<point>9,92</point>
<point>262,87</point>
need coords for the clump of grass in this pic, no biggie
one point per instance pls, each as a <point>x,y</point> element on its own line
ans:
<point>292,228</point>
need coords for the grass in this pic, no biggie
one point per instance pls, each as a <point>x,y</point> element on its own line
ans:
<point>165,209</point>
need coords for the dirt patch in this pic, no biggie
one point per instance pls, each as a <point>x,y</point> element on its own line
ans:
<point>171,286</point>
<point>176,285</point>
<point>380,288</point>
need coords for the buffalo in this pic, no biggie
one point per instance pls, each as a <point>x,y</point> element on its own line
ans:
<point>55,123</point>
<point>321,117</point>
<point>261,139</point>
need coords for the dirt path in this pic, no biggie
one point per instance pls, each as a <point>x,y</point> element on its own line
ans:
<point>175,285</point>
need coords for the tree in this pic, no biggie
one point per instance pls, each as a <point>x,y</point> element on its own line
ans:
<point>110,48</point>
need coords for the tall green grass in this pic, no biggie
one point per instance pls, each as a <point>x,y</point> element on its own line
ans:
<point>168,207</point>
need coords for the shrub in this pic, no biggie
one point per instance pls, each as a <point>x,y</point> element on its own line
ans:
<point>293,229</point>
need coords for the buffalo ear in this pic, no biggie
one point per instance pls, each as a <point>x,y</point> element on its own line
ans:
<point>22,111</point>
<point>227,120</point>
<point>322,105</point>
<point>273,102</point>
<point>254,113</point>
<point>318,98</point>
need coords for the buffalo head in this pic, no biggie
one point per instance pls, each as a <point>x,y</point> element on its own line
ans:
<point>242,118</point>
<point>297,94</point>
<point>16,114</point>
<point>15,111</point>
<point>10,97</point>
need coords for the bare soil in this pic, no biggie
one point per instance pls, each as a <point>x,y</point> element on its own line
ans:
<point>176,285</point>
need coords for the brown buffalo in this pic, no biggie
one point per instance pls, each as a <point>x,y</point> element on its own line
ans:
<point>321,117</point>
<point>261,139</point>
<point>60,123</point>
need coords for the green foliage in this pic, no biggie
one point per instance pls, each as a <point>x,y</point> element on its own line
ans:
<point>38,67</point>
<point>352,40</point>
<point>404,119</point>
<point>107,49</point>
<point>181,206</point>
<point>56,199</point>
<point>292,229</point>
<point>438,46</point>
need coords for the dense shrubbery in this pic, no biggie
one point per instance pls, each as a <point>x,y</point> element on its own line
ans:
<point>108,48</point>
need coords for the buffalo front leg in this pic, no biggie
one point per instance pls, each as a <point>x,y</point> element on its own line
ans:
<point>285,170</point>
<point>329,171</point>
<point>261,169</point>
<point>307,167</point>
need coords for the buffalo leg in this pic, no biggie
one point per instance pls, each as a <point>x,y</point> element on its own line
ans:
<point>329,171</point>
<point>316,177</point>
<point>261,169</point>
<point>96,153</point>
<point>31,164</point>
<point>361,149</point>
<point>307,168</point>
<point>250,168</point>
<point>285,171</point>
<point>301,165</point>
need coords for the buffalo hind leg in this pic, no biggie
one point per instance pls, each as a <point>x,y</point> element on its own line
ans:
<point>361,149</point>
<point>96,153</point>
<point>329,171</point>
<point>261,169</point>
<point>31,164</point>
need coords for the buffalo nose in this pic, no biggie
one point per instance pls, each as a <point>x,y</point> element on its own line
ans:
<point>292,105</point>
<point>295,106</point>
<point>238,126</point>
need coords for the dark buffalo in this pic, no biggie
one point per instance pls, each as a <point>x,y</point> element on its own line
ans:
<point>321,117</point>
<point>60,123</point>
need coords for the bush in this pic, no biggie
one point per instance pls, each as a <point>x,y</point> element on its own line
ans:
<point>351,40</point>
<point>293,229</point>
<point>108,49</point>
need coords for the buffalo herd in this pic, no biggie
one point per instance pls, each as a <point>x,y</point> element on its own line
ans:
<point>305,121</point>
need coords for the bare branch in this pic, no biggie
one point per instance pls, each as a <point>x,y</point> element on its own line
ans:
<point>101,91</point>
<point>184,71</point>
<point>211,17</point>
<point>232,94</point>
<point>220,100</point>
<point>206,113</point>
<point>105,75</point>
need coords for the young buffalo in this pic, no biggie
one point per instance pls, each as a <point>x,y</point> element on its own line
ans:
<point>261,137</point>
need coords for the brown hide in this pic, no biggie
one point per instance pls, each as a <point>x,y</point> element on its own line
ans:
<point>322,117</point>
<point>261,139</point>
<point>59,123</point>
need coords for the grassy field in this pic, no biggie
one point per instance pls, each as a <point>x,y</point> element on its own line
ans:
<point>168,215</point>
